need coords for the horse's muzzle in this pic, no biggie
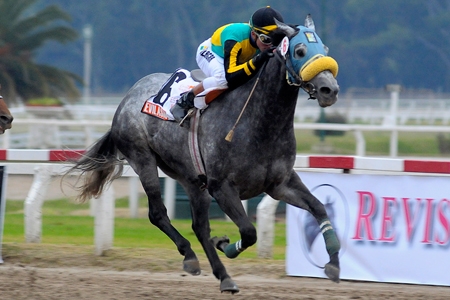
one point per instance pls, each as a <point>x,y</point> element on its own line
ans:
<point>5,123</point>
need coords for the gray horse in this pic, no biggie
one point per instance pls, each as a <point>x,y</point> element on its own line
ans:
<point>258,158</point>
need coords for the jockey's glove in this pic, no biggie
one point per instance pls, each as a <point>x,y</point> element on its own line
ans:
<point>264,56</point>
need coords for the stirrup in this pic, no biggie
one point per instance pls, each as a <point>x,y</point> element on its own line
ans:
<point>189,114</point>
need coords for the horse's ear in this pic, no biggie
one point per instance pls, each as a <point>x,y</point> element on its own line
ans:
<point>309,23</point>
<point>287,30</point>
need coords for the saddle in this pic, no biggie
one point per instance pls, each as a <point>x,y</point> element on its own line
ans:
<point>179,82</point>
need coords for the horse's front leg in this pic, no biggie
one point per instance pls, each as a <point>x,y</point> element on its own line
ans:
<point>228,199</point>
<point>295,193</point>
<point>200,202</point>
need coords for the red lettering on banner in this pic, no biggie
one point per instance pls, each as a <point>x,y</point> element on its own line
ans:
<point>364,219</point>
<point>410,222</point>
<point>429,214</point>
<point>443,221</point>
<point>386,224</point>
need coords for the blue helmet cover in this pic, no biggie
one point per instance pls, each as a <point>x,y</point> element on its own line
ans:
<point>313,43</point>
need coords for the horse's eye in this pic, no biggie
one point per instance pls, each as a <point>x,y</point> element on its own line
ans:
<point>326,49</point>
<point>300,51</point>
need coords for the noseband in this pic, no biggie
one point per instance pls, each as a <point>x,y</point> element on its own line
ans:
<point>306,86</point>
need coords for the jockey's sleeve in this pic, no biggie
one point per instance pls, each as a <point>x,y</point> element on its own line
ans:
<point>237,73</point>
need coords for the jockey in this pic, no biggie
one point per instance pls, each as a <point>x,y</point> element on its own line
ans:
<point>233,54</point>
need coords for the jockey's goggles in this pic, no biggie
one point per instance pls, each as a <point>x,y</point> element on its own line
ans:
<point>264,38</point>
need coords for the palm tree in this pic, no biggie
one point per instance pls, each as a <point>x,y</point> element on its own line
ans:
<point>22,32</point>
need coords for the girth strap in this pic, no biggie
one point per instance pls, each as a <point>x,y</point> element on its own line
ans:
<point>194,149</point>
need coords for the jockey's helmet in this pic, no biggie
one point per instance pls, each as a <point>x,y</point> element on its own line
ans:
<point>262,20</point>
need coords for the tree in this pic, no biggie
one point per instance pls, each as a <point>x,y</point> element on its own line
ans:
<point>22,33</point>
<point>375,42</point>
<point>402,42</point>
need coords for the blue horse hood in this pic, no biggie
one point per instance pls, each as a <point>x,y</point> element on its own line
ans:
<point>315,51</point>
<point>313,43</point>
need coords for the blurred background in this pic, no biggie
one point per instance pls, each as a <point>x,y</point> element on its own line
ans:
<point>75,60</point>
<point>375,42</point>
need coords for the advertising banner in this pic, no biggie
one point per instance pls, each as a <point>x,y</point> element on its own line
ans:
<point>2,206</point>
<point>391,228</point>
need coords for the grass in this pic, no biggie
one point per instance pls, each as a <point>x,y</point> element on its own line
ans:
<point>66,223</point>
<point>377,143</point>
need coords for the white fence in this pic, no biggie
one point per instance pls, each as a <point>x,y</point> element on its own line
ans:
<point>43,164</point>
<point>374,111</point>
<point>78,126</point>
<point>55,134</point>
<point>373,107</point>
<point>102,208</point>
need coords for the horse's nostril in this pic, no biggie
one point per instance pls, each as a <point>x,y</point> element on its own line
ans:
<point>325,90</point>
<point>6,119</point>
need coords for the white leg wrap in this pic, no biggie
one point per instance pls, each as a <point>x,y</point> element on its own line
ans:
<point>325,226</point>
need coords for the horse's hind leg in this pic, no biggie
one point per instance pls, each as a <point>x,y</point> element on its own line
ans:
<point>294,192</point>
<point>157,212</point>
<point>200,202</point>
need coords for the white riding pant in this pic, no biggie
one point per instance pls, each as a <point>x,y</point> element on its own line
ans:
<point>212,65</point>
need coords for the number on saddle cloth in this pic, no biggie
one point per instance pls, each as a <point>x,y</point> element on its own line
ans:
<point>178,83</point>
<point>159,105</point>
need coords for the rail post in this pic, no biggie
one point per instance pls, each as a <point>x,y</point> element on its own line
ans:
<point>33,203</point>
<point>394,89</point>
<point>265,219</point>
<point>169,196</point>
<point>104,221</point>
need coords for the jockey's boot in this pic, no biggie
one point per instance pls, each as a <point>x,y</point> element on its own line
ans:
<point>183,105</point>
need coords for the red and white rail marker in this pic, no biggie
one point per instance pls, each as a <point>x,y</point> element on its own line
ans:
<point>439,166</point>
<point>374,164</point>
<point>23,155</point>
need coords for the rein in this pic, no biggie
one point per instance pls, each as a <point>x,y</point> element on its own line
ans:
<point>230,134</point>
<point>306,86</point>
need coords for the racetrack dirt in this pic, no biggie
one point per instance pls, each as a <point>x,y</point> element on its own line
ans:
<point>36,271</point>
<point>42,271</point>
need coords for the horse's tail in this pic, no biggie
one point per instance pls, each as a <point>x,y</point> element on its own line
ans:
<point>98,167</point>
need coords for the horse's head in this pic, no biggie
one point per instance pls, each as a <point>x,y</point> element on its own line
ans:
<point>5,116</point>
<point>307,63</point>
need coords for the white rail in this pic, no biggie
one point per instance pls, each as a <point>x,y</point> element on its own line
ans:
<point>82,133</point>
<point>358,130</point>
<point>102,208</point>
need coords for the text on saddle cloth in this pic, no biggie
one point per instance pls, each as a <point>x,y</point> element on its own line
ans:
<point>180,81</point>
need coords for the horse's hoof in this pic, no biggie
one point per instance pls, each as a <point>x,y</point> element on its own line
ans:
<point>192,267</point>
<point>228,286</point>
<point>220,243</point>
<point>332,268</point>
